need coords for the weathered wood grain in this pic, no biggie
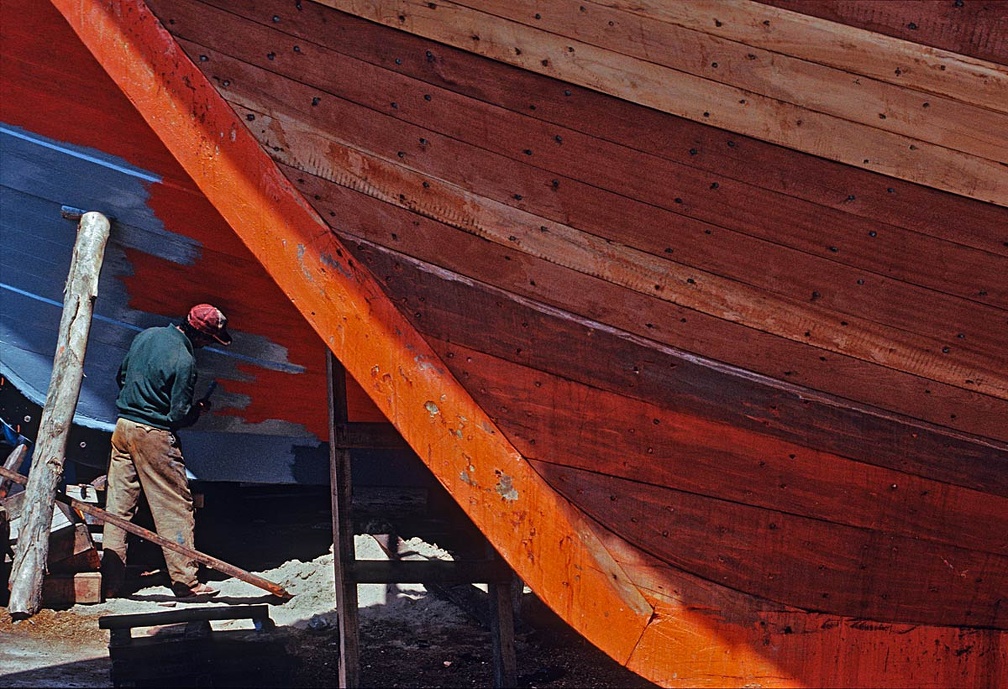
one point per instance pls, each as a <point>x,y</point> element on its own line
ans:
<point>493,325</point>
<point>587,297</point>
<point>810,564</point>
<point>975,29</point>
<point>645,35</point>
<point>711,102</point>
<point>729,155</point>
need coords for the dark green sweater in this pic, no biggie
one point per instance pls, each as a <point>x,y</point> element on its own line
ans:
<point>157,379</point>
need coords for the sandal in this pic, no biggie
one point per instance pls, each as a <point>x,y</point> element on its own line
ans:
<point>198,591</point>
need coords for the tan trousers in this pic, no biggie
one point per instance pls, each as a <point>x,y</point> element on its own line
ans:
<point>149,459</point>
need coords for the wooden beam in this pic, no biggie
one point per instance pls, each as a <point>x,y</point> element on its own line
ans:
<point>257,613</point>
<point>32,552</point>
<point>344,552</point>
<point>740,108</point>
<point>372,435</point>
<point>430,571</point>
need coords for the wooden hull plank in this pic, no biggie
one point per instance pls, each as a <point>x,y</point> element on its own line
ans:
<point>704,291</point>
<point>703,457</point>
<point>590,205</point>
<point>710,102</point>
<point>975,29</point>
<point>643,35</point>
<point>453,310</point>
<point>728,155</point>
<point>501,493</point>
<point>965,335</point>
<point>810,564</point>
<point>593,299</point>
<point>702,630</point>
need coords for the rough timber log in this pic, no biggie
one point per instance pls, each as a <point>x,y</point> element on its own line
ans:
<point>32,550</point>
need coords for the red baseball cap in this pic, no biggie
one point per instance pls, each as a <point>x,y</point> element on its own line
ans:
<point>210,321</point>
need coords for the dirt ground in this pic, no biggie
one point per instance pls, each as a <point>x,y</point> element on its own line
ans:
<point>410,637</point>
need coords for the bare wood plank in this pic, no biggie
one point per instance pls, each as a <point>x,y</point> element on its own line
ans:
<point>849,48</point>
<point>81,290</point>
<point>968,28</point>
<point>370,336</point>
<point>607,207</point>
<point>850,96</point>
<point>809,564</point>
<point>697,289</point>
<point>450,71</point>
<point>758,260</point>
<point>687,96</point>
<point>702,456</point>
<point>871,253</point>
<point>588,299</point>
<point>474,326</point>
<point>945,267</point>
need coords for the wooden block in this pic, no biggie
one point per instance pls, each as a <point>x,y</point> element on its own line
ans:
<point>67,589</point>
<point>68,542</point>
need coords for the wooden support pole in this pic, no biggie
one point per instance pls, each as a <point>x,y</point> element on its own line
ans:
<point>505,663</point>
<point>344,555</point>
<point>202,558</point>
<point>57,415</point>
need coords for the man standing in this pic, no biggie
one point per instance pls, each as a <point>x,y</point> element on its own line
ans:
<point>156,384</point>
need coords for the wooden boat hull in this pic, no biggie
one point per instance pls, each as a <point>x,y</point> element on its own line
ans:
<point>716,361</point>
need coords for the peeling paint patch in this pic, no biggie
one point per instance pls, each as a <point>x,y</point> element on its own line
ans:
<point>328,260</point>
<point>505,487</point>
<point>466,478</point>
<point>301,250</point>
<point>431,408</point>
<point>423,365</point>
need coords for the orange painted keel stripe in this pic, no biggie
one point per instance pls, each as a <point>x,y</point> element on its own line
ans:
<point>548,543</point>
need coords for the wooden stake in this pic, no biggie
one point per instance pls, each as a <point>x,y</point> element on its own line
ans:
<point>344,555</point>
<point>57,415</point>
